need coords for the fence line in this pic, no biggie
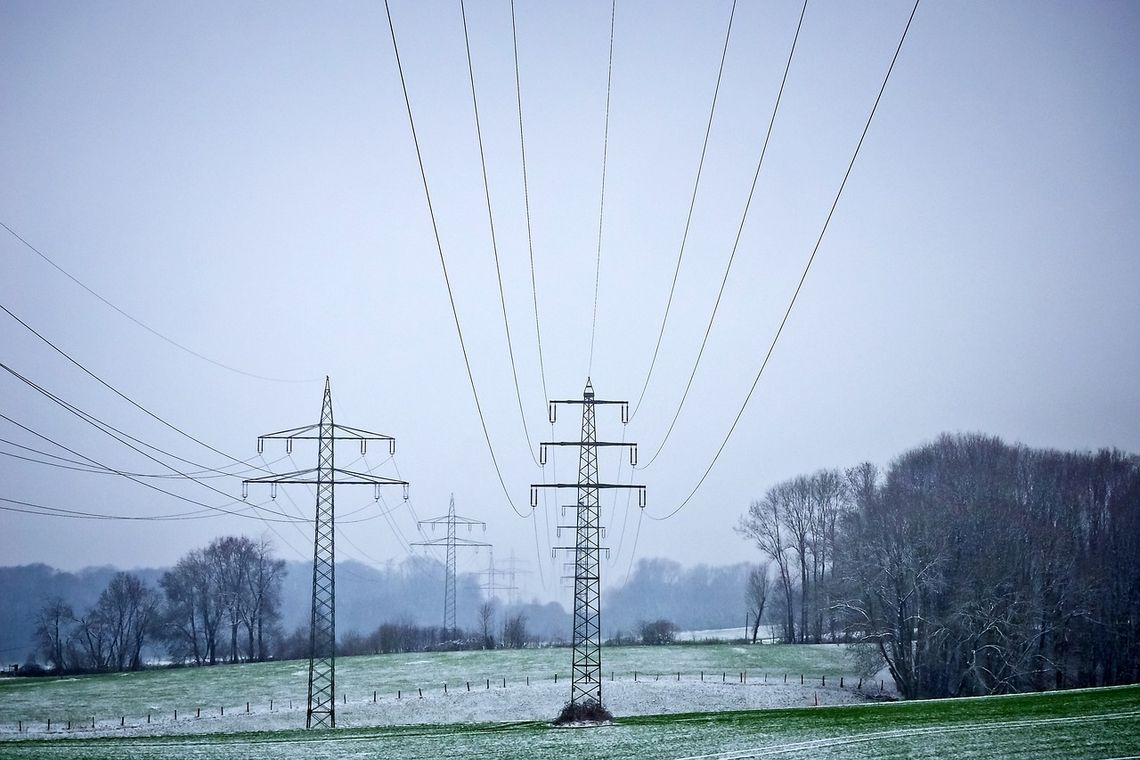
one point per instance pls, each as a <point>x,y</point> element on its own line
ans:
<point>742,678</point>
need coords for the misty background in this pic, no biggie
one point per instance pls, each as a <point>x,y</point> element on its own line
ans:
<point>241,180</point>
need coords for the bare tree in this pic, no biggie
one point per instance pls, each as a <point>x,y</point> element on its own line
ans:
<point>486,622</point>
<point>514,632</point>
<point>113,633</point>
<point>263,594</point>
<point>54,623</point>
<point>193,612</point>
<point>759,585</point>
<point>764,525</point>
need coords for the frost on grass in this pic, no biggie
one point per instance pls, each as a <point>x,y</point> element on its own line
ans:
<point>583,713</point>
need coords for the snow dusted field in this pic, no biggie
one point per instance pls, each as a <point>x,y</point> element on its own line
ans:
<point>742,708</point>
<point>407,689</point>
<point>1095,723</point>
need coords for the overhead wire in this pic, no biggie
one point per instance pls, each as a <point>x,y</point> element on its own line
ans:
<point>526,205</point>
<point>443,264</point>
<point>128,399</point>
<point>633,552</point>
<point>689,216</point>
<point>494,238</point>
<point>803,276</point>
<point>602,202</point>
<point>50,511</point>
<point>109,430</point>
<point>533,278</point>
<point>180,497</point>
<point>75,464</point>
<point>736,243</point>
<point>142,324</point>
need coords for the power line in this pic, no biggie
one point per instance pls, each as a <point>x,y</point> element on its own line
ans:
<point>126,398</point>
<point>140,323</point>
<point>689,217</point>
<point>107,429</point>
<point>443,263</point>
<point>602,203</point>
<point>141,482</point>
<point>49,511</point>
<point>736,243</point>
<point>633,552</point>
<point>75,464</point>
<point>494,240</point>
<point>803,276</point>
<point>526,204</point>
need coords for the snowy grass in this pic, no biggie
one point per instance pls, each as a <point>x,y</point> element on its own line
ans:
<point>505,685</point>
<point>1076,724</point>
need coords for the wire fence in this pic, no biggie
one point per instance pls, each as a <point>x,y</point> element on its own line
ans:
<point>274,705</point>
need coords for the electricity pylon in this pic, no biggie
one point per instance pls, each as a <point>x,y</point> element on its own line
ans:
<point>514,569</point>
<point>451,542</point>
<point>492,585</point>
<point>586,662</point>
<point>322,621</point>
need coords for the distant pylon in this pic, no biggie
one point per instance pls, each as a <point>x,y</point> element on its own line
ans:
<point>586,659</point>
<point>492,574</point>
<point>450,541</point>
<point>512,571</point>
<point>322,621</point>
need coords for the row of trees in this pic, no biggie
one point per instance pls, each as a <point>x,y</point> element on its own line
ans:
<point>406,636</point>
<point>108,636</point>
<point>221,603</point>
<point>796,526</point>
<point>971,566</point>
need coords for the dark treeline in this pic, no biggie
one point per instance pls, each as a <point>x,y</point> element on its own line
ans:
<point>971,566</point>
<point>220,603</point>
<point>223,602</point>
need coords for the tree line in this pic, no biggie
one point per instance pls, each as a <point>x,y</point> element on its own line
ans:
<point>220,603</point>
<point>970,566</point>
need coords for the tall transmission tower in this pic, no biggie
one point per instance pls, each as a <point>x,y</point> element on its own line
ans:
<point>451,541</point>
<point>586,659</point>
<point>322,621</point>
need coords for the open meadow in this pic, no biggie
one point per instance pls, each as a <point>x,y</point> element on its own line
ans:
<point>400,689</point>
<point>742,708</point>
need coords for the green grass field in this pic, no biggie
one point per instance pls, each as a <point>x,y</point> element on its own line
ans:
<point>1094,723</point>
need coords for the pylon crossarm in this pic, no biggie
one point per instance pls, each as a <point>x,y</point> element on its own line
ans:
<point>364,478</point>
<point>641,490</point>
<point>591,485</point>
<point>312,433</point>
<point>555,549</point>
<point>458,521</point>
<point>361,434</point>
<point>309,476</point>
<point>444,541</point>
<point>284,477</point>
<point>579,444</point>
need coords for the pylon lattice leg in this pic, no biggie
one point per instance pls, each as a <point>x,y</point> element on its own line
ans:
<point>586,681</point>
<point>322,630</point>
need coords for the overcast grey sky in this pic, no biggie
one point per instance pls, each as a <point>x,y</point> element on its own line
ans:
<point>241,177</point>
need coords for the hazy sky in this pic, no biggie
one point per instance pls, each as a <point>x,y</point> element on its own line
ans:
<point>241,177</point>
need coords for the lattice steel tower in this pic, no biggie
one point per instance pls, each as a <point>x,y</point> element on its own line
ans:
<point>322,621</point>
<point>451,542</point>
<point>586,659</point>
